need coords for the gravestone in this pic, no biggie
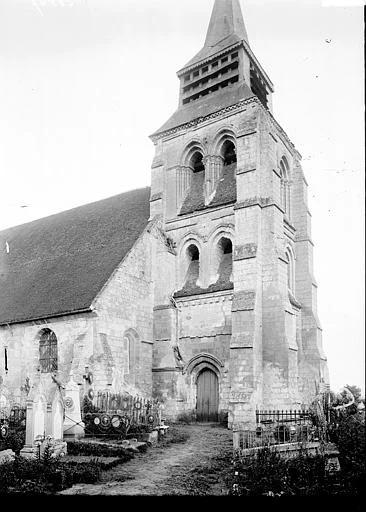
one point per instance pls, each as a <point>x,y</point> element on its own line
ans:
<point>45,418</point>
<point>74,428</point>
<point>36,419</point>
<point>55,423</point>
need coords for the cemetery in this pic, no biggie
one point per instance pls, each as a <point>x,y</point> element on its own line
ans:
<point>53,439</point>
<point>166,340</point>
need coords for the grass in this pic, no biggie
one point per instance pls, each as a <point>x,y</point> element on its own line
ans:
<point>174,436</point>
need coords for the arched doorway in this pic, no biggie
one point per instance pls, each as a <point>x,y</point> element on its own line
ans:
<point>207,396</point>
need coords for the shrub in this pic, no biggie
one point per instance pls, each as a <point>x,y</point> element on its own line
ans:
<point>98,450</point>
<point>14,441</point>
<point>24,476</point>
<point>267,474</point>
<point>174,436</point>
<point>259,474</point>
<point>347,431</point>
<point>186,418</point>
<point>136,430</point>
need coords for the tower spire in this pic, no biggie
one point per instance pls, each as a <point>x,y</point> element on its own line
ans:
<point>226,27</point>
<point>226,20</point>
<point>225,61</point>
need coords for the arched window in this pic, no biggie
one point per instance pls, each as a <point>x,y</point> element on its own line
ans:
<point>229,153</point>
<point>290,271</point>
<point>48,351</point>
<point>193,271</point>
<point>285,186</point>
<point>197,162</point>
<point>225,258</point>
<point>191,186</point>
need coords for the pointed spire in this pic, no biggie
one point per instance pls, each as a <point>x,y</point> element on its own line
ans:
<point>226,28</point>
<point>226,20</point>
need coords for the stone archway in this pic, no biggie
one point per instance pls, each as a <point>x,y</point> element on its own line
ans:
<point>205,371</point>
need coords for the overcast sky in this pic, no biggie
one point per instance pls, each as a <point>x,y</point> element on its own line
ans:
<point>83,83</point>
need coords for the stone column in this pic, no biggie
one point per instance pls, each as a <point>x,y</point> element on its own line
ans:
<point>184,177</point>
<point>213,172</point>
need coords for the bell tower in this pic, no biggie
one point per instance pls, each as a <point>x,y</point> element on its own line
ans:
<point>234,288</point>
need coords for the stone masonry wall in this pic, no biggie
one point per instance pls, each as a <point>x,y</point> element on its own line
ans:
<point>275,357</point>
<point>125,308</point>
<point>96,339</point>
<point>74,336</point>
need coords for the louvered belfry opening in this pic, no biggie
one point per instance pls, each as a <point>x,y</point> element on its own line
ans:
<point>210,78</point>
<point>48,351</point>
<point>258,85</point>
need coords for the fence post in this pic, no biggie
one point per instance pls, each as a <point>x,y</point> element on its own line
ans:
<point>236,440</point>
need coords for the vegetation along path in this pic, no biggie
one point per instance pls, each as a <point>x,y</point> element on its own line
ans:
<point>193,460</point>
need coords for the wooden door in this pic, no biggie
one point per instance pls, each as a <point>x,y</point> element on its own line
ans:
<point>207,396</point>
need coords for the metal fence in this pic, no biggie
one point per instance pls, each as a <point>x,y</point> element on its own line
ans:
<point>118,415</point>
<point>279,427</point>
<point>279,435</point>
<point>13,414</point>
<point>282,417</point>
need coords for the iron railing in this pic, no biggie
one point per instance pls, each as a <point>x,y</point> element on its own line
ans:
<point>279,427</point>
<point>279,435</point>
<point>270,417</point>
<point>13,416</point>
<point>110,414</point>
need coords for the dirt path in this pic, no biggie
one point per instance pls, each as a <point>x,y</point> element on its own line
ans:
<point>195,467</point>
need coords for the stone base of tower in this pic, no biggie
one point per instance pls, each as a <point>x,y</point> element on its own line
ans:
<point>178,390</point>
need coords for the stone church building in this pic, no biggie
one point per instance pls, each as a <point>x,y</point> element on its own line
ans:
<point>198,291</point>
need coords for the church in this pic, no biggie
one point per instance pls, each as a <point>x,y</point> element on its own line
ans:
<point>199,290</point>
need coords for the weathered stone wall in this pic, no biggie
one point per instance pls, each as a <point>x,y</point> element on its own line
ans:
<point>275,356</point>
<point>262,339</point>
<point>97,339</point>
<point>125,309</point>
<point>75,347</point>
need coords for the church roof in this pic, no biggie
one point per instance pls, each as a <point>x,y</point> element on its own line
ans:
<point>57,265</point>
<point>207,105</point>
<point>226,28</point>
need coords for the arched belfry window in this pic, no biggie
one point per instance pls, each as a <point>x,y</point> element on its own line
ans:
<point>197,162</point>
<point>192,182</point>
<point>193,271</point>
<point>225,258</point>
<point>229,153</point>
<point>285,186</point>
<point>48,351</point>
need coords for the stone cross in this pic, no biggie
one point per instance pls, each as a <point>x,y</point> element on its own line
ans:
<point>45,418</point>
<point>74,428</point>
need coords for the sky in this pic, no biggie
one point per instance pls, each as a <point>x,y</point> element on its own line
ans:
<point>83,83</point>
